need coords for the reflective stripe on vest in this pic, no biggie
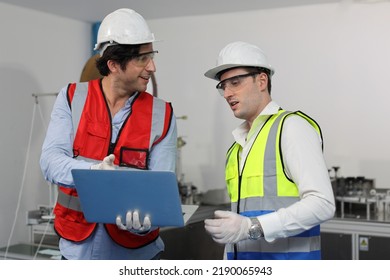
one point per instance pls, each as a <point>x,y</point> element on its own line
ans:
<point>78,101</point>
<point>263,187</point>
<point>69,201</point>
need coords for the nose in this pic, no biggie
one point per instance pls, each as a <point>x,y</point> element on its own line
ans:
<point>151,67</point>
<point>227,93</point>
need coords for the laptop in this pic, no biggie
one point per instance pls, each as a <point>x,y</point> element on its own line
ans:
<point>105,194</point>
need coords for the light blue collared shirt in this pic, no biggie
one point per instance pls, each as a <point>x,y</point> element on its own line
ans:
<point>57,162</point>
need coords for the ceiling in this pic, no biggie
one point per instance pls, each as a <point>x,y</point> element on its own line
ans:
<point>95,10</point>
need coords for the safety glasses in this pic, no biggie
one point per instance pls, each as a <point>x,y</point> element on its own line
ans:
<point>143,59</point>
<point>234,83</point>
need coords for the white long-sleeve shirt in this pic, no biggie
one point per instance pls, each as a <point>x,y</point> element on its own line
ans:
<point>304,164</point>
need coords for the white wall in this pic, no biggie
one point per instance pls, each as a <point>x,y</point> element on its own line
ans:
<point>39,53</point>
<point>332,62</point>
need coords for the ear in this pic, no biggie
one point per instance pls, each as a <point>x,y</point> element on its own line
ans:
<point>262,79</point>
<point>113,66</point>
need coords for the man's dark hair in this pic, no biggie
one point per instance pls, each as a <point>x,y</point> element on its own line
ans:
<point>121,54</point>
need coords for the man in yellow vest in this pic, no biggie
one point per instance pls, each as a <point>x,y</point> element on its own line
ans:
<point>275,173</point>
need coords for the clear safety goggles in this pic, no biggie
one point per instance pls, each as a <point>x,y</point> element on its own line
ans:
<point>235,83</point>
<point>143,59</point>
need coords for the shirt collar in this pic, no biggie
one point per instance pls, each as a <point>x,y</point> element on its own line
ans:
<point>243,131</point>
<point>130,100</point>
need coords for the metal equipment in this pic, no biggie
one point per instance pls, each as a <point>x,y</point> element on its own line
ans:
<point>187,190</point>
<point>40,222</point>
<point>357,197</point>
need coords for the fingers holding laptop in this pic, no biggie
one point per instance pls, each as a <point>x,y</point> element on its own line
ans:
<point>133,223</point>
<point>106,164</point>
<point>145,226</point>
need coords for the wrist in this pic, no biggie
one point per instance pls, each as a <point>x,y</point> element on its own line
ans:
<point>255,231</point>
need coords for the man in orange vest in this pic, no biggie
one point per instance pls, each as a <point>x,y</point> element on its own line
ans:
<point>103,124</point>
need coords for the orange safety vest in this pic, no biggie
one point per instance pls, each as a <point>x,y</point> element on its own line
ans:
<point>147,124</point>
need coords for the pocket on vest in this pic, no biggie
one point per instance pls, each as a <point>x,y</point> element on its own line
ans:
<point>135,158</point>
<point>96,142</point>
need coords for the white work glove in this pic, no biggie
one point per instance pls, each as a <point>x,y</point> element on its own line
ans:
<point>133,223</point>
<point>228,227</point>
<point>106,164</point>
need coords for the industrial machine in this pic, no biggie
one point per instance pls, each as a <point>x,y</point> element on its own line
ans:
<point>357,197</point>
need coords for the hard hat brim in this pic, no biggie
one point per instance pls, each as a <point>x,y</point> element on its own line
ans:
<point>213,73</point>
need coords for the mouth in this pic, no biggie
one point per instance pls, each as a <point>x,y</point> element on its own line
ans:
<point>146,78</point>
<point>233,104</point>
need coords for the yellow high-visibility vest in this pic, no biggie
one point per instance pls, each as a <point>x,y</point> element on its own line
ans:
<point>263,187</point>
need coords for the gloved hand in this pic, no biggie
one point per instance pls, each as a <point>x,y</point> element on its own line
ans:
<point>228,227</point>
<point>133,223</point>
<point>107,163</point>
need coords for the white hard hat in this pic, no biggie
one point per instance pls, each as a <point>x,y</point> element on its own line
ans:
<point>123,26</point>
<point>239,54</point>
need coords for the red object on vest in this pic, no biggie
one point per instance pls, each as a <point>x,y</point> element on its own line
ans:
<point>131,149</point>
